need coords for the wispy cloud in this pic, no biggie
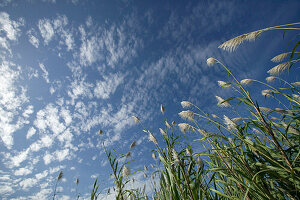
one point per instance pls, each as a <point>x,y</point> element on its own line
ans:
<point>108,86</point>
<point>46,30</point>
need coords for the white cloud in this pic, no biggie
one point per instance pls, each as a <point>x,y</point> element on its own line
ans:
<point>41,175</point>
<point>6,190</point>
<point>90,50</point>
<point>18,159</point>
<point>48,158</point>
<point>23,171</point>
<point>28,183</point>
<point>62,154</point>
<point>108,86</point>
<point>12,97</point>
<point>33,38</point>
<point>30,132</point>
<point>45,72</point>
<point>28,111</point>
<point>10,27</point>
<point>49,118</point>
<point>46,30</point>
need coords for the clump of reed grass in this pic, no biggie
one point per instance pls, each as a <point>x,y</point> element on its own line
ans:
<point>256,156</point>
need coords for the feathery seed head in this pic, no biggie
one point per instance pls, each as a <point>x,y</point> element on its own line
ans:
<point>297,84</point>
<point>236,119</point>
<point>184,127</point>
<point>224,104</point>
<point>279,57</point>
<point>246,81</point>
<point>265,110</point>
<point>153,156</point>
<point>125,171</point>
<point>175,156</point>
<point>224,84</point>
<point>162,109</point>
<point>229,123</point>
<point>186,104</point>
<point>203,132</point>
<point>278,69</point>
<point>256,131</point>
<point>164,133</point>
<point>187,115</point>
<point>167,124</point>
<point>145,168</point>
<point>200,162</point>
<point>152,138</point>
<point>296,97</point>
<point>135,119</point>
<point>280,110</point>
<point>60,175</point>
<point>232,44</point>
<point>214,116</point>
<point>133,144</point>
<point>173,123</point>
<point>270,79</point>
<point>211,61</point>
<point>189,151</point>
<point>253,35</point>
<point>266,93</point>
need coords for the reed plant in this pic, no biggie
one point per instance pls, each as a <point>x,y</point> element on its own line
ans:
<point>254,155</point>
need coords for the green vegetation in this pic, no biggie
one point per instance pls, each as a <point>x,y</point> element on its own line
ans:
<point>247,157</point>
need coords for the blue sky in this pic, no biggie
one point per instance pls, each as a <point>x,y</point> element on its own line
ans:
<point>69,68</point>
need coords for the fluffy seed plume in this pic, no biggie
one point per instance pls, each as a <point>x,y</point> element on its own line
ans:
<point>189,152</point>
<point>164,133</point>
<point>296,97</point>
<point>200,162</point>
<point>279,57</point>
<point>125,171</point>
<point>211,61</point>
<point>145,168</point>
<point>232,44</point>
<point>162,109</point>
<point>186,104</point>
<point>214,116</point>
<point>265,110</point>
<point>266,93</point>
<point>236,120</point>
<point>222,102</point>
<point>154,156</point>
<point>167,124</point>
<point>280,110</point>
<point>246,81</point>
<point>270,79</point>
<point>184,127</point>
<point>133,144</point>
<point>253,35</point>
<point>278,69</point>
<point>229,123</point>
<point>187,115</point>
<point>297,84</point>
<point>152,138</point>
<point>224,84</point>
<point>175,156</point>
<point>135,119</point>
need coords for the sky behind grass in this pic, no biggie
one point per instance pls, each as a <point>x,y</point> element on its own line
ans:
<point>70,68</point>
